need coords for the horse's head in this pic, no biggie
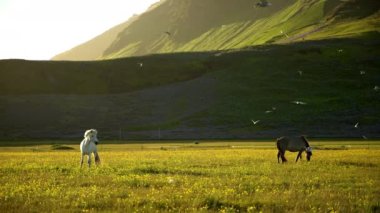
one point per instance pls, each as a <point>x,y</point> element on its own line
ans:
<point>309,153</point>
<point>91,135</point>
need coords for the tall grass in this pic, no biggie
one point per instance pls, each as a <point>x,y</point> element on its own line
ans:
<point>193,180</point>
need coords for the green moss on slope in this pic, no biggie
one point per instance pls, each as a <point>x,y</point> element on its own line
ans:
<point>232,25</point>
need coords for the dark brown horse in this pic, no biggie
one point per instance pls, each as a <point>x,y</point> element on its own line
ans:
<point>297,144</point>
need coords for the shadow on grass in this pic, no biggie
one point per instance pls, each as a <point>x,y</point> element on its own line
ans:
<point>154,170</point>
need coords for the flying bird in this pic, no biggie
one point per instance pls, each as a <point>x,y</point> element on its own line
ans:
<point>356,125</point>
<point>263,3</point>
<point>270,111</point>
<point>362,72</point>
<point>255,122</point>
<point>299,102</point>
<point>282,32</point>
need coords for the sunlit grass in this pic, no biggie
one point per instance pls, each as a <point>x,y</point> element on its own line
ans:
<point>191,179</point>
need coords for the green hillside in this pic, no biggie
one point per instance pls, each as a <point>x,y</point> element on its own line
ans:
<point>185,21</point>
<point>204,25</point>
<point>200,95</point>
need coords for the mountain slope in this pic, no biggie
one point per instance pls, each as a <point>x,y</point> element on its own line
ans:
<point>184,20</point>
<point>94,48</point>
<point>204,25</point>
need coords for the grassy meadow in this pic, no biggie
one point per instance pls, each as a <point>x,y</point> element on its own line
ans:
<point>189,177</point>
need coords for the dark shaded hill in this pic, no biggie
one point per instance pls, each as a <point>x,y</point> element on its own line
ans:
<point>200,95</point>
<point>99,77</point>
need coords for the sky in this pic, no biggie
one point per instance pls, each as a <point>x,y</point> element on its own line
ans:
<point>41,29</point>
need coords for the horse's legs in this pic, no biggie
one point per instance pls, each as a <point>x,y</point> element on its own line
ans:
<point>299,155</point>
<point>97,158</point>
<point>283,157</point>
<point>81,161</point>
<point>89,161</point>
<point>278,156</point>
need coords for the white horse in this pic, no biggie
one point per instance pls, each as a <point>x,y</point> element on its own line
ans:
<point>88,146</point>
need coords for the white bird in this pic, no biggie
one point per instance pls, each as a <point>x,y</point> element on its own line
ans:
<point>140,64</point>
<point>362,72</point>
<point>340,51</point>
<point>282,32</point>
<point>376,88</point>
<point>364,137</point>
<point>255,122</point>
<point>270,111</point>
<point>300,72</point>
<point>356,125</point>
<point>263,3</point>
<point>299,102</point>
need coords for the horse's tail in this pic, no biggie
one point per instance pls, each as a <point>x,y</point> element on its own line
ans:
<point>278,144</point>
<point>97,158</point>
<point>281,149</point>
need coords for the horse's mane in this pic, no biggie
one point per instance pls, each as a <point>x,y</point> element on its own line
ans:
<point>86,141</point>
<point>305,141</point>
